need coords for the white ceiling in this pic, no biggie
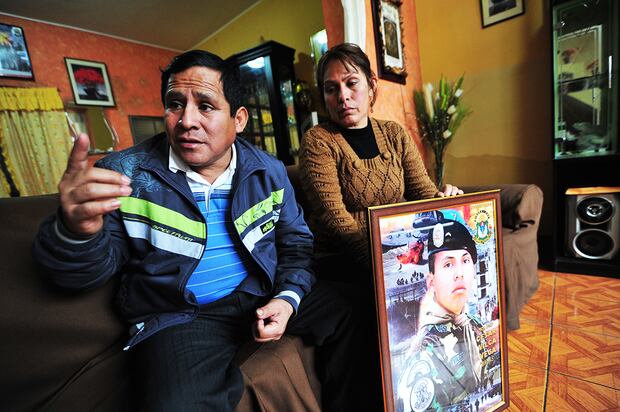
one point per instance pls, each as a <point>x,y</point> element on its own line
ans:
<point>172,24</point>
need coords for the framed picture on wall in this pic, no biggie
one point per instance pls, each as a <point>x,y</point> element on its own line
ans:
<point>387,22</point>
<point>318,46</point>
<point>89,82</point>
<point>144,127</point>
<point>14,57</point>
<point>494,11</point>
<point>438,270</point>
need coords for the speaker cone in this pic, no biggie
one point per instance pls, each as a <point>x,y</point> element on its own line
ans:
<point>593,243</point>
<point>595,210</point>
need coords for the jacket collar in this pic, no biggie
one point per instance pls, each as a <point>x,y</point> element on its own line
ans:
<point>248,160</point>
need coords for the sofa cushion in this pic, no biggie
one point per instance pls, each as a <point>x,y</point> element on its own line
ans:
<point>42,349</point>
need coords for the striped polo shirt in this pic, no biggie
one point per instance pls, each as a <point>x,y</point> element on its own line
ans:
<point>225,262</point>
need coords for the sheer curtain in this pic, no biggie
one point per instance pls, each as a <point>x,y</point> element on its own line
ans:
<point>34,139</point>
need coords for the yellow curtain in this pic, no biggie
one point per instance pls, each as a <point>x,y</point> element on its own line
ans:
<point>34,138</point>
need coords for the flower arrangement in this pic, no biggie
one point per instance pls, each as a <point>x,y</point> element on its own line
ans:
<point>439,115</point>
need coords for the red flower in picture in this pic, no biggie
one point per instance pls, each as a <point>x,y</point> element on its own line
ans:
<point>90,76</point>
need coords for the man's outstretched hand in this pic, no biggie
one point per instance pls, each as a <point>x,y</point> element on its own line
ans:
<point>87,193</point>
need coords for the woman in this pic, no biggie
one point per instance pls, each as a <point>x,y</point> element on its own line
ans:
<point>353,162</point>
<point>346,165</point>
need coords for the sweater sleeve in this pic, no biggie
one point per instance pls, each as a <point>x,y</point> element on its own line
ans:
<point>320,182</point>
<point>418,185</point>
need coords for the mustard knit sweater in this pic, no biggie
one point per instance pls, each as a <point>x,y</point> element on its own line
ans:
<point>340,186</point>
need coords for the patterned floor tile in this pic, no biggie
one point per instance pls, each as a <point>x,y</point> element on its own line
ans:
<point>526,387</point>
<point>594,287</point>
<point>565,393</point>
<point>529,344</point>
<point>538,308</point>
<point>588,356</point>
<point>588,314</point>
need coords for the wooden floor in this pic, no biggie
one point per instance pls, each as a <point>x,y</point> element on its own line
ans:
<point>566,355</point>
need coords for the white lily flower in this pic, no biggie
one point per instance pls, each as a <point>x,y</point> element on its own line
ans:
<point>451,109</point>
<point>447,134</point>
<point>458,92</point>
<point>428,102</point>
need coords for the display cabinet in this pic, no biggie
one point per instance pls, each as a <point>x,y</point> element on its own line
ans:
<point>586,156</point>
<point>267,75</point>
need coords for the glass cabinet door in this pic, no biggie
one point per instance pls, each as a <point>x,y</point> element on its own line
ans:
<point>267,75</point>
<point>585,42</point>
<point>288,99</point>
<point>259,129</point>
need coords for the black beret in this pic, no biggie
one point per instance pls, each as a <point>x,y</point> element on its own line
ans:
<point>451,235</point>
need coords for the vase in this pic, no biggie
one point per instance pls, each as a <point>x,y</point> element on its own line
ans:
<point>439,166</point>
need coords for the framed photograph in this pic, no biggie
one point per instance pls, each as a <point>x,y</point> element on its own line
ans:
<point>387,23</point>
<point>144,127</point>
<point>494,11</point>
<point>438,270</point>
<point>318,46</point>
<point>90,83</point>
<point>14,57</point>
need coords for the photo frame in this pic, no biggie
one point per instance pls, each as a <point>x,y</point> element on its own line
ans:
<point>495,11</point>
<point>145,127</point>
<point>439,284</point>
<point>387,22</point>
<point>318,46</point>
<point>14,57</point>
<point>90,83</point>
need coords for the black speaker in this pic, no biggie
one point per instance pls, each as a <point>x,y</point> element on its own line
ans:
<point>593,225</point>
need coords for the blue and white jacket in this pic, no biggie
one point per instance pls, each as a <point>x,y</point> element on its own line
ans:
<point>157,237</point>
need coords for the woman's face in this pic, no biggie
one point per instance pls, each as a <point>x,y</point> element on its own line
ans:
<point>454,274</point>
<point>347,95</point>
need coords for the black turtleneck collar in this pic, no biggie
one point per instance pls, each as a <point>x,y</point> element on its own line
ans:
<point>362,141</point>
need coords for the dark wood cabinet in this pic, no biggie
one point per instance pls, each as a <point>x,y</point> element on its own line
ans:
<point>268,77</point>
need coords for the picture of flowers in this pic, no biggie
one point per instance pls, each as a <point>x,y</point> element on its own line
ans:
<point>90,83</point>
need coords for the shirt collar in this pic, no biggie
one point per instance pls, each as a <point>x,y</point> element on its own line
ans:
<point>175,164</point>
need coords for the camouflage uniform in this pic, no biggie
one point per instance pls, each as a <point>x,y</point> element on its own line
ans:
<point>438,376</point>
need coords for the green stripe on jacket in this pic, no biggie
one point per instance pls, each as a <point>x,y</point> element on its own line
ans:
<point>160,214</point>
<point>259,210</point>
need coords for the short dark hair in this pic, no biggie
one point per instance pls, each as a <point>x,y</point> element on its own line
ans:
<point>229,74</point>
<point>351,56</point>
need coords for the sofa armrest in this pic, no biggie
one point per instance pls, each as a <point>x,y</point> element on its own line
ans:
<point>521,203</point>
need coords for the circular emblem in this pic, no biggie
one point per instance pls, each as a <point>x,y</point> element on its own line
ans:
<point>422,393</point>
<point>438,235</point>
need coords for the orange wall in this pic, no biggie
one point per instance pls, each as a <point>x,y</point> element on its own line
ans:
<point>395,101</point>
<point>133,69</point>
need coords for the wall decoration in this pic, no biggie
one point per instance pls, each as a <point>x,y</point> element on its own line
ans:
<point>387,23</point>
<point>438,270</point>
<point>14,57</point>
<point>494,11</point>
<point>144,127</point>
<point>318,46</point>
<point>90,83</point>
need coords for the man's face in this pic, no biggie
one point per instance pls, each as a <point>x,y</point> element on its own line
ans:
<point>454,274</point>
<point>198,123</point>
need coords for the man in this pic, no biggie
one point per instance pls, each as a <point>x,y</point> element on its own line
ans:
<point>445,366</point>
<point>209,241</point>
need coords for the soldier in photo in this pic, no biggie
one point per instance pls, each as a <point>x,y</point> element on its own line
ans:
<point>444,366</point>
